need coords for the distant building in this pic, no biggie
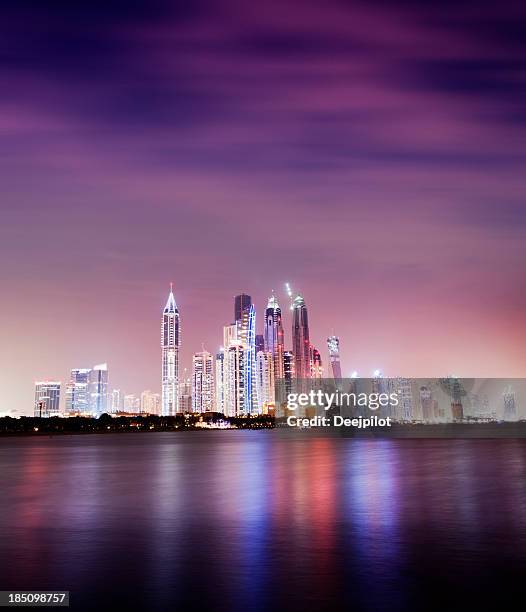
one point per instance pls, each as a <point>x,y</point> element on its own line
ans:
<point>316,369</point>
<point>185,395</point>
<point>220,381</point>
<point>98,389</point>
<point>265,381</point>
<point>235,397</point>
<point>273,335</point>
<point>47,398</point>
<point>77,392</point>
<point>300,338</point>
<point>510,405</point>
<point>132,404</point>
<point>116,400</point>
<point>150,403</point>
<point>333,344</point>
<point>242,303</point>
<point>260,343</point>
<point>289,370</point>
<point>202,382</point>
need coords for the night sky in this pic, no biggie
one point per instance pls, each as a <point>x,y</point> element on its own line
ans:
<point>371,154</point>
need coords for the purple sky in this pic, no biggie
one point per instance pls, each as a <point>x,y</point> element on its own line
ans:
<point>374,157</point>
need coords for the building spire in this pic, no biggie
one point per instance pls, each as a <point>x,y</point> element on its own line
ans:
<point>171,306</point>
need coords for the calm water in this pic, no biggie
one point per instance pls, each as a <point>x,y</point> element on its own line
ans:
<point>252,521</point>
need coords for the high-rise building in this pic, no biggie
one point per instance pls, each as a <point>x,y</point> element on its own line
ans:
<point>265,381</point>
<point>289,370</point>
<point>220,381</point>
<point>274,336</point>
<point>249,338</point>
<point>150,402</point>
<point>333,343</point>
<point>235,397</point>
<point>47,398</point>
<point>202,382</point>
<point>300,338</point>
<point>132,404</point>
<point>98,389</point>
<point>510,405</point>
<point>116,400</point>
<point>316,369</point>
<point>185,395</point>
<point>170,347</point>
<point>242,303</point>
<point>260,343</point>
<point>77,392</point>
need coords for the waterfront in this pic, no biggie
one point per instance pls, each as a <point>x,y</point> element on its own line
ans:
<point>246,520</point>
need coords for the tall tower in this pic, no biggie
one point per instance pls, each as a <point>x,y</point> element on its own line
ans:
<point>274,337</point>
<point>202,382</point>
<point>170,346</point>
<point>77,391</point>
<point>98,389</point>
<point>333,342</point>
<point>300,338</point>
<point>242,304</point>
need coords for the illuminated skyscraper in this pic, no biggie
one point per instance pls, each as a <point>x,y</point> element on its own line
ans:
<point>132,404</point>
<point>77,392</point>
<point>316,369</point>
<point>115,400</point>
<point>510,404</point>
<point>185,394</point>
<point>250,361</point>
<point>150,403</point>
<point>289,371</point>
<point>242,303</point>
<point>220,381</point>
<point>274,337</point>
<point>202,382</point>
<point>47,398</point>
<point>260,343</point>
<point>265,381</point>
<point>333,343</point>
<point>235,397</point>
<point>170,346</point>
<point>300,338</point>
<point>98,389</point>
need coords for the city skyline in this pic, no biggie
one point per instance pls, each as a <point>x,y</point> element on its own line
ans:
<point>372,156</point>
<point>288,317</point>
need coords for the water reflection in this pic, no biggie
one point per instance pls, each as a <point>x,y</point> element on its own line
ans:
<point>249,520</point>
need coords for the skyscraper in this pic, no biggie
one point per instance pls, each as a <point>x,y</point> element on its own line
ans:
<point>202,382</point>
<point>300,338</point>
<point>249,338</point>
<point>260,343</point>
<point>235,397</point>
<point>170,346</point>
<point>333,343</point>
<point>98,389</point>
<point>220,382</point>
<point>77,391</point>
<point>316,369</point>
<point>289,371</point>
<point>47,398</point>
<point>274,336</point>
<point>115,400</point>
<point>150,403</point>
<point>185,394</point>
<point>242,304</point>
<point>265,382</point>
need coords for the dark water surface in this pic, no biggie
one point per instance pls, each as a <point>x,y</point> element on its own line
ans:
<point>248,520</point>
